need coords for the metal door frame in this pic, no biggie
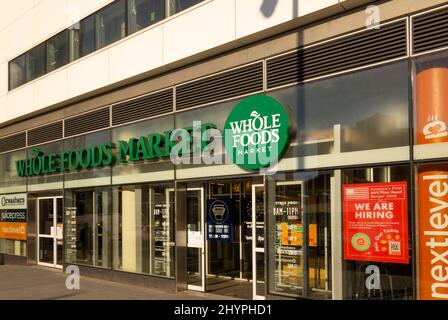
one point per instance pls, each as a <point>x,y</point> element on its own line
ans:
<point>54,236</point>
<point>256,250</point>
<point>203,253</point>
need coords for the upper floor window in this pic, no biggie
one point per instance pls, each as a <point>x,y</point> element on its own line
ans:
<point>143,13</point>
<point>35,62</point>
<point>17,72</point>
<point>82,38</point>
<point>111,24</point>
<point>57,51</point>
<point>179,5</point>
<point>102,28</point>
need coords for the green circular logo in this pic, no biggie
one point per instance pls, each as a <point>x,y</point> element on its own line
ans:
<point>256,132</point>
<point>361,242</point>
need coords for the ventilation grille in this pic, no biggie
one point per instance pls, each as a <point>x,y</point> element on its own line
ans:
<point>229,84</point>
<point>16,141</point>
<point>87,122</point>
<point>144,107</point>
<point>430,31</point>
<point>44,134</point>
<point>364,48</point>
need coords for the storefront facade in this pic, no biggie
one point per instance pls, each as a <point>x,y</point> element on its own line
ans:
<point>355,208</point>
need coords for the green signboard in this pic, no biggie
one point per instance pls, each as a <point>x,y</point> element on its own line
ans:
<point>255,136</point>
<point>256,132</point>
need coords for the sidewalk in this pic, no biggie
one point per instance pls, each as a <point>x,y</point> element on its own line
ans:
<point>39,283</point>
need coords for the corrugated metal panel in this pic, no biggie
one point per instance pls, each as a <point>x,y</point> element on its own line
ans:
<point>354,51</point>
<point>237,82</point>
<point>13,142</point>
<point>430,31</point>
<point>143,107</point>
<point>44,134</point>
<point>91,121</point>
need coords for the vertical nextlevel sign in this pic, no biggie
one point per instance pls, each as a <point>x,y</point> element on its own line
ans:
<point>433,235</point>
<point>376,222</point>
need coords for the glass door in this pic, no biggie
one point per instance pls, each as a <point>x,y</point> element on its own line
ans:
<point>258,265</point>
<point>50,232</point>
<point>195,240</point>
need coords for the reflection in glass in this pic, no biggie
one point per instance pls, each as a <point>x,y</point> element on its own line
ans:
<point>299,234</point>
<point>87,226</point>
<point>46,250</point>
<point>35,62</point>
<point>143,229</point>
<point>57,51</point>
<point>180,5</point>
<point>111,24</point>
<point>143,13</point>
<point>395,279</point>
<point>46,216</point>
<point>364,110</point>
<point>83,38</point>
<point>17,72</point>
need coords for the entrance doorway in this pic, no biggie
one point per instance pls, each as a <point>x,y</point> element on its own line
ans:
<point>50,231</point>
<point>225,238</point>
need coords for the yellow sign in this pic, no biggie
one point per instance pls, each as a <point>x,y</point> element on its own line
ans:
<point>292,234</point>
<point>13,230</point>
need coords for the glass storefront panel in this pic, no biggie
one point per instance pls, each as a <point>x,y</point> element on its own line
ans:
<point>45,181</point>
<point>299,234</point>
<point>143,229</point>
<point>380,278</point>
<point>154,168</point>
<point>365,110</point>
<point>87,227</point>
<point>431,99</point>
<point>9,181</point>
<point>87,177</point>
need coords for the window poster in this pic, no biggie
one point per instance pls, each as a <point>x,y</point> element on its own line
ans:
<point>13,216</point>
<point>220,219</point>
<point>376,222</point>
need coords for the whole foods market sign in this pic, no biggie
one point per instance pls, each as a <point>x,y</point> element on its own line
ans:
<point>256,132</point>
<point>255,136</point>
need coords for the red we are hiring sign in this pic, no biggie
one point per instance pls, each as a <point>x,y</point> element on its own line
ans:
<point>376,222</point>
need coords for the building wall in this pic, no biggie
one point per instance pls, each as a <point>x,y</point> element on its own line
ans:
<point>158,48</point>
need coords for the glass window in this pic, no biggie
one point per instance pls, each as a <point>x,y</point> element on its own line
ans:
<point>35,62</point>
<point>9,181</point>
<point>143,13</point>
<point>394,280</point>
<point>431,81</point>
<point>365,110</point>
<point>47,181</point>
<point>299,234</point>
<point>143,229</point>
<point>57,51</point>
<point>13,247</point>
<point>83,38</point>
<point>180,5</point>
<point>17,72</point>
<point>111,24</point>
<point>87,177</point>
<point>140,171</point>
<point>88,225</point>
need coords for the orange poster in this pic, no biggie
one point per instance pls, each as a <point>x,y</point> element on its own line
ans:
<point>292,234</point>
<point>432,102</point>
<point>433,234</point>
<point>13,230</point>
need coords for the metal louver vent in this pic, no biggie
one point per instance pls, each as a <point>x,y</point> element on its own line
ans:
<point>44,134</point>
<point>91,121</point>
<point>143,107</point>
<point>241,81</point>
<point>430,31</point>
<point>13,142</point>
<point>354,51</point>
